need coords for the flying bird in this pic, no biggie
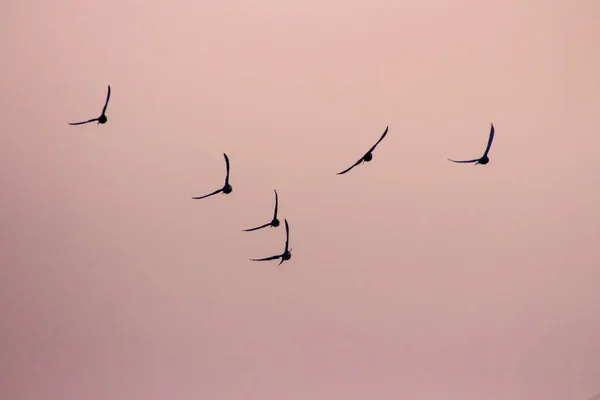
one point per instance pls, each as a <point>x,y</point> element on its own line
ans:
<point>286,255</point>
<point>225,189</point>
<point>368,155</point>
<point>102,118</point>
<point>274,222</point>
<point>484,159</point>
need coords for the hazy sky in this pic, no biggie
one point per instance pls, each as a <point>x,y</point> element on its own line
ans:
<point>411,277</point>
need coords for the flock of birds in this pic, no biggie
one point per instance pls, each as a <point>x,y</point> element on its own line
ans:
<point>227,188</point>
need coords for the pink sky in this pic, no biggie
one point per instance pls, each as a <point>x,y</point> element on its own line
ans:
<point>411,277</point>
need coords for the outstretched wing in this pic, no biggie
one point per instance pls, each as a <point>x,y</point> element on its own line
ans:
<point>227,165</point>
<point>106,102</point>
<point>464,161</point>
<point>258,227</point>
<point>266,258</point>
<point>202,197</point>
<point>353,165</point>
<point>489,141</point>
<point>276,204</point>
<point>83,122</point>
<point>380,139</point>
<point>287,235</point>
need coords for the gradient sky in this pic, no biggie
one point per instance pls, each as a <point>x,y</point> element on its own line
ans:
<point>411,277</point>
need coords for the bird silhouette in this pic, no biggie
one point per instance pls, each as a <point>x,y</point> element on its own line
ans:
<point>274,222</point>
<point>368,155</point>
<point>225,189</point>
<point>286,255</point>
<point>484,159</point>
<point>102,118</point>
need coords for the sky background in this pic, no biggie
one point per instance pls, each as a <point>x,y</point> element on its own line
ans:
<point>411,277</point>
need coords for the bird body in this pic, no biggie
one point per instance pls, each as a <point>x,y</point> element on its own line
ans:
<point>102,118</point>
<point>368,156</point>
<point>226,189</point>
<point>274,222</point>
<point>287,253</point>
<point>483,159</point>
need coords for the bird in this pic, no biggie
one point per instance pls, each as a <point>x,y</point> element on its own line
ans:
<point>368,155</point>
<point>274,222</point>
<point>287,253</point>
<point>484,159</point>
<point>225,189</point>
<point>102,118</point>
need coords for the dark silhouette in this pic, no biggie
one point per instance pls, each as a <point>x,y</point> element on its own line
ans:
<point>368,155</point>
<point>102,118</point>
<point>286,255</point>
<point>225,189</point>
<point>274,222</point>
<point>484,159</point>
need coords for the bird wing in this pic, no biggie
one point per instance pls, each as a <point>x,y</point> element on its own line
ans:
<point>258,227</point>
<point>489,141</point>
<point>83,122</point>
<point>465,161</point>
<point>348,169</point>
<point>287,235</point>
<point>266,258</point>
<point>106,102</point>
<point>380,139</point>
<point>276,204</point>
<point>202,197</point>
<point>227,165</point>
